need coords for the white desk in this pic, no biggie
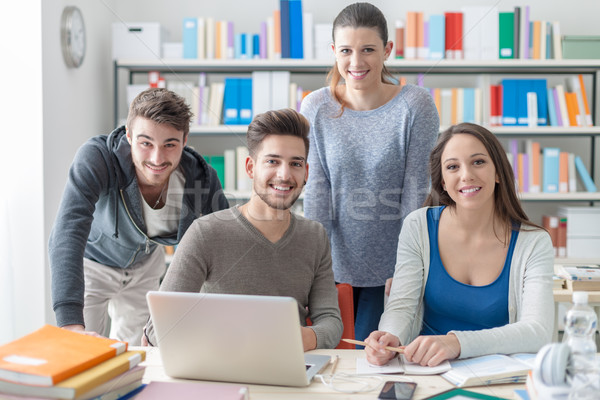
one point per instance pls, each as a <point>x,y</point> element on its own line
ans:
<point>426,385</point>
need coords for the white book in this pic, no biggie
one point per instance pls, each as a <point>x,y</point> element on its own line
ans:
<point>562,104</point>
<point>490,369</point>
<point>524,28</point>
<point>480,32</point>
<point>195,106</point>
<point>201,38</point>
<point>572,173</point>
<point>205,105</point>
<point>323,41</point>
<point>308,40</point>
<point>230,170</point>
<point>270,38</point>
<point>280,86</point>
<point>215,110</point>
<point>293,95</point>
<point>244,183</point>
<point>556,41</point>
<point>210,38</point>
<point>446,105</point>
<point>532,115</point>
<point>261,92</point>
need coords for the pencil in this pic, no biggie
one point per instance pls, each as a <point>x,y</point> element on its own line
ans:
<point>335,363</point>
<point>361,343</point>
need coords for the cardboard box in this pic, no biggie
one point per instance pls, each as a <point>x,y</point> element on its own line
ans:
<point>581,47</point>
<point>581,221</point>
<point>137,40</point>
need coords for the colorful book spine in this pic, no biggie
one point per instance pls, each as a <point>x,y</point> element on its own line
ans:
<point>399,43</point>
<point>284,8</point>
<point>563,172</point>
<point>437,28</point>
<point>506,22</point>
<point>535,164</point>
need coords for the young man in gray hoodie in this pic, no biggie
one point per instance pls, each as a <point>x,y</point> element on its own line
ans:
<point>127,194</point>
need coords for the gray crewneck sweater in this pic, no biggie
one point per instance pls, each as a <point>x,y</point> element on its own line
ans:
<point>224,253</point>
<point>368,170</point>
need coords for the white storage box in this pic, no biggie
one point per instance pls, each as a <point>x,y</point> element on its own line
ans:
<point>582,221</point>
<point>583,247</point>
<point>137,40</point>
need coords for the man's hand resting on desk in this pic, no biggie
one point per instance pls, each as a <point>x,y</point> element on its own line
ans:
<point>376,352</point>
<point>432,350</point>
<point>309,339</point>
<point>81,329</point>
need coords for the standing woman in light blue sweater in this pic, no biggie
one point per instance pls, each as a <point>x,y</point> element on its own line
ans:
<point>370,142</point>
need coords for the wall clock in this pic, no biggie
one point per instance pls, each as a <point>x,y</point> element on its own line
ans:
<point>72,34</point>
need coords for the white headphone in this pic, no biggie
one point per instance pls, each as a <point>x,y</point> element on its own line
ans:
<point>552,372</point>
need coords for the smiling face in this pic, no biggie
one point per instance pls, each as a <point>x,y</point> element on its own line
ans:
<point>278,170</point>
<point>360,53</point>
<point>155,149</point>
<point>468,173</point>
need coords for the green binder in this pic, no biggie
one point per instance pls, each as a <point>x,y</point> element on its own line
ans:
<point>506,35</point>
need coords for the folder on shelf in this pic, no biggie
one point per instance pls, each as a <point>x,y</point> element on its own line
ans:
<point>244,183</point>
<point>561,100</point>
<point>437,28</point>
<point>210,38</point>
<point>586,106</point>
<point>295,23</point>
<point>284,23</point>
<point>201,38</point>
<point>422,51</point>
<point>308,40</point>
<point>230,171</point>
<point>469,105</point>
<point>509,102</point>
<point>245,101</point>
<point>280,89</point>
<point>551,170</point>
<point>535,164</point>
<point>572,173</point>
<point>231,101</point>
<point>552,115</point>
<point>261,92</point>
<point>572,109</point>
<point>410,50</point>
<point>506,21</point>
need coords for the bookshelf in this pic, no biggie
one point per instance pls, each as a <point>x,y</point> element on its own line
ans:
<point>126,70</point>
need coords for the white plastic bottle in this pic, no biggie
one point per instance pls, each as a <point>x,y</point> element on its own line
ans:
<point>580,329</point>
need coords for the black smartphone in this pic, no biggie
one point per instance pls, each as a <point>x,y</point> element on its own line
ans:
<point>397,390</point>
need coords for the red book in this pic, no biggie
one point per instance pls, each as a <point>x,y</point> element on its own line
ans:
<point>454,33</point>
<point>550,223</point>
<point>561,237</point>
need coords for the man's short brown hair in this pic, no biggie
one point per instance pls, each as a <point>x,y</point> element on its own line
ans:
<point>276,122</point>
<point>163,107</point>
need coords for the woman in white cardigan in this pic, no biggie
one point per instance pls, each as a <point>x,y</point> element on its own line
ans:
<point>473,275</point>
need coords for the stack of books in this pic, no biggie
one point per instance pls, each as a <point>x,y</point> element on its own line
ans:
<point>580,277</point>
<point>55,363</point>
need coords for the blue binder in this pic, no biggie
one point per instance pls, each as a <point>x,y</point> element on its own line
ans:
<point>245,92</point>
<point>231,101</point>
<point>284,16</point>
<point>551,170</point>
<point>509,102</point>
<point>296,39</point>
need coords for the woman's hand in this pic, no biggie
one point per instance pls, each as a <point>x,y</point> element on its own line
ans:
<point>375,349</point>
<point>432,350</point>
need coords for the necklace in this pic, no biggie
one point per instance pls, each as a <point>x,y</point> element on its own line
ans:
<point>160,195</point>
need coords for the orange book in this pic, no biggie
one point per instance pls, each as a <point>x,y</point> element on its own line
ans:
<point>588,115</point>
<point>218,39</point>
<point>410,50</point>
<point>535,184</point>
<point>572,108</point>
<point>437,99</point>
<point>454,106</point>
<point>51,355</point>
<point>521,172</point>
<point>277,33</point>
<point>420,36</point>
<point>537,37</point>
<point>563,172</point>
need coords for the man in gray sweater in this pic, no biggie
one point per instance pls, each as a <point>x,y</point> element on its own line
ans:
<point>261,248</point>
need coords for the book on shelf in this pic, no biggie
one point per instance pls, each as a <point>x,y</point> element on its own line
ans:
<point>490,369</point>
<point>192,391</point>
<point>50,355</point>
<point>551,223</point>
<point>110,375</point>
<point>584,175</point>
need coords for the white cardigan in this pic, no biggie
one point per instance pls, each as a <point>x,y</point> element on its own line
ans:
<point>530,298</point>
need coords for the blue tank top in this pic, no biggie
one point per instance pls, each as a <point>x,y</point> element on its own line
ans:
<point>453,305</point>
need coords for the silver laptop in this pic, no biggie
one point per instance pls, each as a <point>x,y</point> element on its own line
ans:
<point>232,338</point>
